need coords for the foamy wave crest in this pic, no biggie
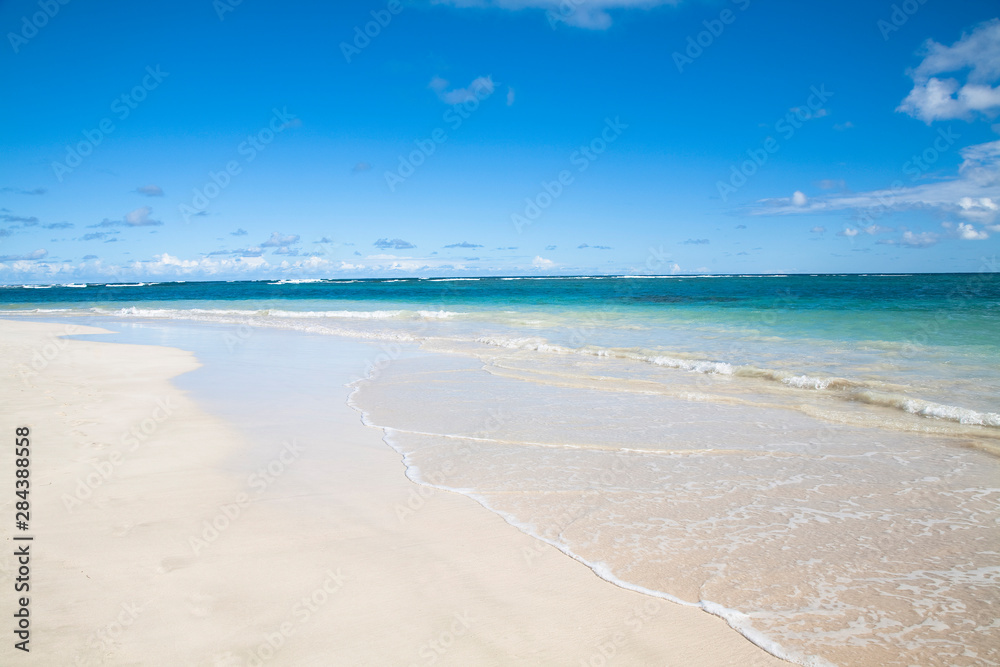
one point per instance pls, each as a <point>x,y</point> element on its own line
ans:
<point>916,406</point>
<point>713,367</point>
<point>347,314</point>
<point>806,382</point>
<point>437,314</point>
<point>537,344</point>
<point>132,311</point>
<point>541,345</point>
<point>951,412</point>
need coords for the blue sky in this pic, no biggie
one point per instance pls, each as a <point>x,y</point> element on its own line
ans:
<point>220,140</point>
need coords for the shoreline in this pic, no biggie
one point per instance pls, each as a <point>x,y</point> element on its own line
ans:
<point>397,589</point>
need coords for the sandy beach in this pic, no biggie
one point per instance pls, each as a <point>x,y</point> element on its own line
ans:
<point>164,535</point>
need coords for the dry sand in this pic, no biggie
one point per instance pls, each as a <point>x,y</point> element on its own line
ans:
<point>315,565</point>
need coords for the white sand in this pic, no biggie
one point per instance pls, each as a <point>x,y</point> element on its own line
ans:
<point>116,580</point>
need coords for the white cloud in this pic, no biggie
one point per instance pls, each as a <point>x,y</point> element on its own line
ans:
<point>542,263</point>
<point>982,208</point>
<point>480,88</point>
<point>150,190</point>
<point>849,232</point>
<point>590,14</point>
<point>877,229</point>
<point>510,96</point>
<point>140,218</point>
<point>799,198</point>
<point>933,98</point>
<point>818,230</point>
<point>967,232</point>
<point>911,240</point>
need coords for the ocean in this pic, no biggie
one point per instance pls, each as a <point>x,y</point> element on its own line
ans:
<point>812,458</point>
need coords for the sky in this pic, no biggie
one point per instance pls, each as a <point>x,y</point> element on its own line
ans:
<point>248,139</point>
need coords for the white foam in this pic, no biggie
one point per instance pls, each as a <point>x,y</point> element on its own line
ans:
<point>712,367</point>
<point>951,413</point>
<point>806,382</point>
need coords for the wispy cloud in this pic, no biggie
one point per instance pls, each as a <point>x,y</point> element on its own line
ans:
<point>481,87</point>
<point>463,244</point>
<point>26,221</point>
<point>395,244</point>
<point>279,241</point>
<point>96,236</point>
<point>22,191</point>
<point>150,190</point>
<point>239,232</point>
<point>137,218</point>
<point>140,218</point>
<point>589,14</point>
<point>37,254</point>
<point>973,194</point>
<point>913,240</point>
<point>696,242</point>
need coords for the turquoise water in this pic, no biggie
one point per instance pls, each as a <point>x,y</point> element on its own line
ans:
<point>930,339</point>
<point>812,458</point>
